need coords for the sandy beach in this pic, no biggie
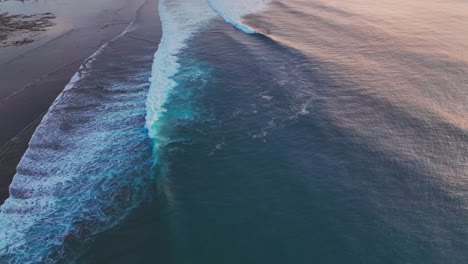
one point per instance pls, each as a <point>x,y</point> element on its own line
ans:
<point>35,65</point>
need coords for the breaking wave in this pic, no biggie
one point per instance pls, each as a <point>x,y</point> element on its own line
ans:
<point>88,163</point>
<point>180,20</point>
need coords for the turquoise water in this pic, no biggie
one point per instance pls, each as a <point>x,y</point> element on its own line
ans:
<point>293,132</point>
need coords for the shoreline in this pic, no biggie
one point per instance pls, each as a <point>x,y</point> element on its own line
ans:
<point>30,80</point>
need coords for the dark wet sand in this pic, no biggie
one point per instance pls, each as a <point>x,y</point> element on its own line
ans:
<point>32,75</point>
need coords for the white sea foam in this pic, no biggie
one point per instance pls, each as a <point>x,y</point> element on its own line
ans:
<point>233,11</point>
<point>77,178</point>
<point>180,20</point>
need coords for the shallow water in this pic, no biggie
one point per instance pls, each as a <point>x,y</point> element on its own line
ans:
<point>89,163</point>
<point>69,16</point>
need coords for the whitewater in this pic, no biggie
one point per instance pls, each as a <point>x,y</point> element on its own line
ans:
<point>180,21</point>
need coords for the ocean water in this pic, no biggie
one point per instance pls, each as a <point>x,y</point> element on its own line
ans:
<point>300,131</point>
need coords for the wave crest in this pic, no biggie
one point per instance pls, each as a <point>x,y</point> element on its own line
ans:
<point>180,20</point>
<point>233,11</point>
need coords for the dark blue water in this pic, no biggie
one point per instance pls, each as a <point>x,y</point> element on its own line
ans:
<point>336,133</point>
